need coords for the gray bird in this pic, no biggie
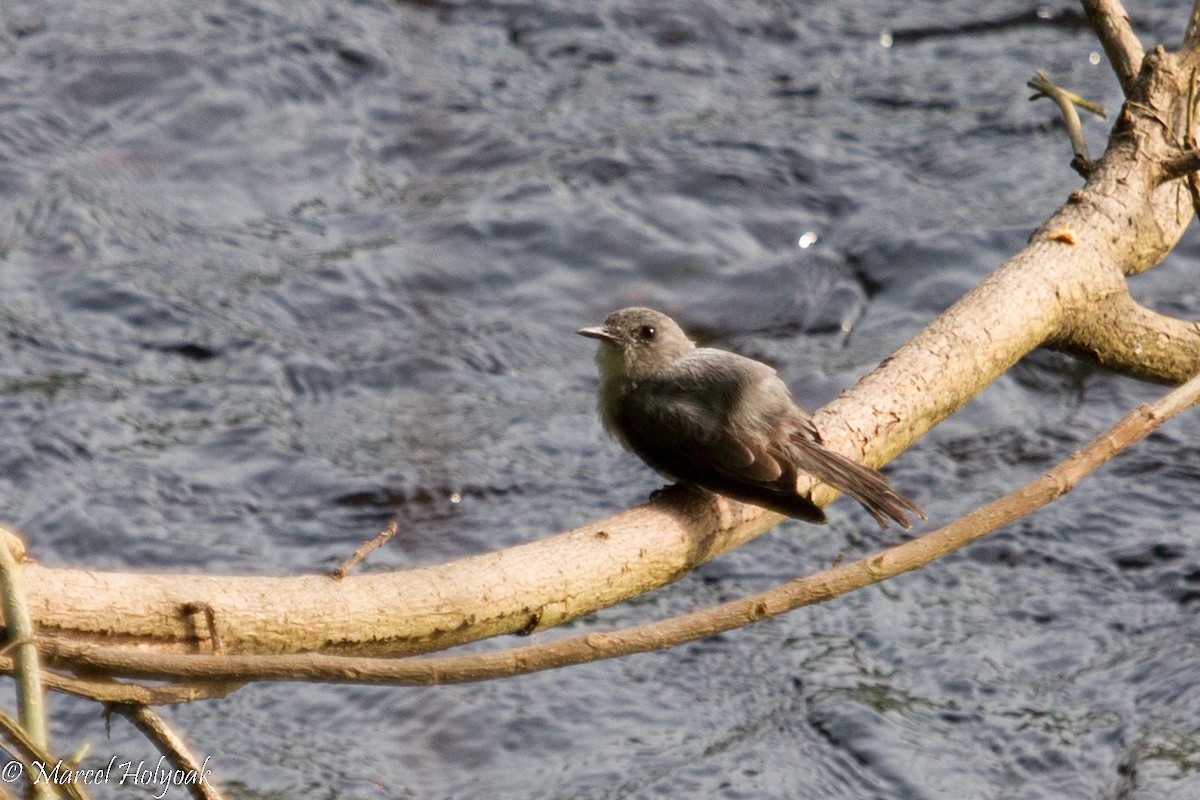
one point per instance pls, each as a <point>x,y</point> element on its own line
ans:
<point>721,421</point>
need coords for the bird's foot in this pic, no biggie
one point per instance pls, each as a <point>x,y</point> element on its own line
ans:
<point>675,489</point>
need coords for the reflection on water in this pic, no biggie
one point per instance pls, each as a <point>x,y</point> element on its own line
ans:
<point>271,275</point>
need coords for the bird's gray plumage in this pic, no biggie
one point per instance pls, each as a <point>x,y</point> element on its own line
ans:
<point>721,421</point>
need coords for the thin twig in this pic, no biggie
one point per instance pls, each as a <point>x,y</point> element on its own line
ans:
<point>655,635</point>
<point>1044,86</point>
<point>1189,140</point>
<point>1067,101</point>
<point>31,700</point>
<point>1189,135</point>
<point>106,690</point>
<point>366,547</point>
<point>156,729</point>
<point>31,754</point>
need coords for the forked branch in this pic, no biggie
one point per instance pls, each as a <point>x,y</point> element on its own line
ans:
<point>1124,220</point>
<point>656,635</point>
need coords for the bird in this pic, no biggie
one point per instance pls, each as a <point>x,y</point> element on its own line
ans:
<point>721,421</point>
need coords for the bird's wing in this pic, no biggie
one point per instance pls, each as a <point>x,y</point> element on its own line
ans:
<point>729,424</point>
<point>692,422</point>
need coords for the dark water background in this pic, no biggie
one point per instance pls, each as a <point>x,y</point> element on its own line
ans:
<point>272,273</point>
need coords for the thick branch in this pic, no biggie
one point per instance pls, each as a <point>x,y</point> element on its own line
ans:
<point>657,635</point>
<point>539,584</point>
<point>1110,21</point>
<point>1123,221</point>
<point>546,582</point>
<point>1121,335</point>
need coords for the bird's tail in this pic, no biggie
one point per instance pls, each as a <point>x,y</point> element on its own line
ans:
<point>864,484</point>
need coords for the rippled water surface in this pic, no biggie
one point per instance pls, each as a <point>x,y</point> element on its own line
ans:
<point>274,273</point>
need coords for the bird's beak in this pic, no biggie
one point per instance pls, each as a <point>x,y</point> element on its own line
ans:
<point>597,333</point>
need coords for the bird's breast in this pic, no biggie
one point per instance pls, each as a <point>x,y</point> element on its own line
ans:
<point>612,399</point>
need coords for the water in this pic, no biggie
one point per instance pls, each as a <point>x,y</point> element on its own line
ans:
<point>272,274</point>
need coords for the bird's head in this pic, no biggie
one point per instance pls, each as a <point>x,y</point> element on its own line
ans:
<point>637,343</point>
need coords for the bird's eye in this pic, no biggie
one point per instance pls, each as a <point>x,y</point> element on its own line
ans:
<point>646,332</point>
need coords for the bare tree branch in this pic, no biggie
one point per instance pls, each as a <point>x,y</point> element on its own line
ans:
<point>31,701</point>
<point>657,635</point>
<point>1180,166</point>
<point>1124,220</point>
<point>1150,346</point>
<point>1110,21</point>
<point>169,743</point>
<point>402,612</point>
<point>31,753</point>
<point>103,689</point>
<point>385,536</point>
<point>1067,101</point>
